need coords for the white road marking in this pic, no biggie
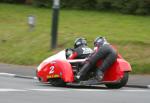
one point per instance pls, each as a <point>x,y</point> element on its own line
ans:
<point>89,90</point>
<point>15,75</point>
<point>7,74</point>
<point>12,90</point>
<point>69,90</point>
<point>46,90</point>
<point>35,78</point>
<point>141,90</point>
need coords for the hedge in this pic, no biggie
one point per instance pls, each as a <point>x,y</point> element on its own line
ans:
<point>74,4</point>
<point>141,7</point>
<point>13,1</point>
<point>132,6</point>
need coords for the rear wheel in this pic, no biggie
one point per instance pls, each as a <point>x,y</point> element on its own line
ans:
<point>122,83</point>
<point>57,82</point>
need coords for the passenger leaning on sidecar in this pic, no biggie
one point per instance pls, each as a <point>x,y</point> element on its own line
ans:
<point>81,50</point>
<point>103,51</point>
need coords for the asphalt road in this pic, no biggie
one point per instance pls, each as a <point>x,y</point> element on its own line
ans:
<point>19,90</point>
<point>139,80</point>
<point>23,90</point>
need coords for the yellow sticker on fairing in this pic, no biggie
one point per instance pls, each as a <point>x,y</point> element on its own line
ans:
<point>53,76</point>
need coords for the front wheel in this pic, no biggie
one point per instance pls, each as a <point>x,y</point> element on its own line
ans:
<point>57,82</point>
<point>121,84</point>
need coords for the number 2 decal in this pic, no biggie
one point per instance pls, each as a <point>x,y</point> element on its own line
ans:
<point>51,70</point>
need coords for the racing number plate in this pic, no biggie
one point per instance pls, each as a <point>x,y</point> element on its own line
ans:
<point>51,73</point>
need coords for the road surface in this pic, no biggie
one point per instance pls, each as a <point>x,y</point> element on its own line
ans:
<point>25,90</point>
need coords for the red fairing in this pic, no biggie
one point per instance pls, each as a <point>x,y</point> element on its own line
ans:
<point>66,69</point>
<point>57,69</point>
<point>42,74</point>
<point>116,71</point>
<point>124,65</point>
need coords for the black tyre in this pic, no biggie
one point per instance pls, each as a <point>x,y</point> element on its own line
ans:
<point>57,82</point>
<point>121,84</point>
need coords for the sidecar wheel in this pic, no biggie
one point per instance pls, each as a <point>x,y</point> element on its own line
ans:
<point>57,82</point>
<point>121,84</point>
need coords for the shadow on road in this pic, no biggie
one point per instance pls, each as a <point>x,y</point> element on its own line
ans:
<point>75,86</point>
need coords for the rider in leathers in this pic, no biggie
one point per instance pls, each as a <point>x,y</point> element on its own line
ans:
<point>105,52</point>
<point>81,50</point>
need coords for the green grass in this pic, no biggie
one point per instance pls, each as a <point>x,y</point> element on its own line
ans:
<point>130,34</point>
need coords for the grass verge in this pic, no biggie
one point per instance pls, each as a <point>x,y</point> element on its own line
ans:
<point>130,34</point>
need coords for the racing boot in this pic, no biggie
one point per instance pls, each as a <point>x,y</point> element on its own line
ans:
<point>99,75</point>
<point>82,73</point>
<point>77,78</point>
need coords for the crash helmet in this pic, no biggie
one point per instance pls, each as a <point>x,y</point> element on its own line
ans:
<point>99,41</point>
<point>80,42</point>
